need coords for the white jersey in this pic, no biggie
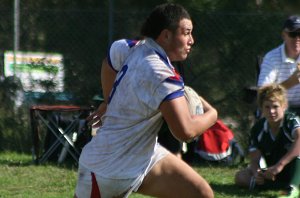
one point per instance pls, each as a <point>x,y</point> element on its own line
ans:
<point>276,68</point>
<point>119,51</point>
<point>127,142</point>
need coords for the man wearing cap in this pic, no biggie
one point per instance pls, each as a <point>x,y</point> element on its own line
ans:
<point>280,65</point>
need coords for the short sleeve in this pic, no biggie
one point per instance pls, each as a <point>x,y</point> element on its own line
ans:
<point>291,123</point>
<point>159,81</point>
<point>119,51</point>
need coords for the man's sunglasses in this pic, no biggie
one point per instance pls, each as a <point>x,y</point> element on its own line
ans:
<point>294,34</point>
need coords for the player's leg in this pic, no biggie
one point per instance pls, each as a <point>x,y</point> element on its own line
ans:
<point>172,177</point>
<point>84,183</point>
<point>243,178</point>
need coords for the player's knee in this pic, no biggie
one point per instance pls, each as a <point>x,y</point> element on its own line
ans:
<point>208,193</point>
<point>242,177</point>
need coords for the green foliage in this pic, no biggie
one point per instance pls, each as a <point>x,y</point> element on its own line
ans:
<point>14,125</point>
<point>228,34</point>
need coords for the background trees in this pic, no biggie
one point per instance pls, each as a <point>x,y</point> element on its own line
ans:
<point>229,35</point>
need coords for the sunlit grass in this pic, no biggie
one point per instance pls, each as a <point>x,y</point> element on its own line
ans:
<point>20,178</point>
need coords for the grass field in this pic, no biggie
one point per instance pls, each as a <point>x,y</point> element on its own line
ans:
<point>20,178</point>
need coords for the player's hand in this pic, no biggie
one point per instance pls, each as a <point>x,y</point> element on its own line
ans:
<point>293,80</point>
<point>295,77</point>
<point>259,177</point>
<point>94,120</point>
<point>274,170</point>
<point>268,174</point>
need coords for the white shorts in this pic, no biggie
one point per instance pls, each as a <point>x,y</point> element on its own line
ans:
<point>113,187</point>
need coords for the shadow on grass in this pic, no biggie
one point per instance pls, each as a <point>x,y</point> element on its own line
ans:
<point>231,190</point>
<point>13,159</point>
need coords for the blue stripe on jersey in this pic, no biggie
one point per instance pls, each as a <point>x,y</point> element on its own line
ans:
<point>131,43</point>
<point>165,59</point>
<point>109,61</point>
<point>176,81</point>
<point>173,95</point>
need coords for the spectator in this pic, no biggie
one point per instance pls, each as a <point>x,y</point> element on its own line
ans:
<point>280,64</point>
<point>276,139</point>
<point>124,155</point>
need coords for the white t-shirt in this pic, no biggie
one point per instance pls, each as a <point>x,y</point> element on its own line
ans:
<point>127,142</point>
<point>276,68</point>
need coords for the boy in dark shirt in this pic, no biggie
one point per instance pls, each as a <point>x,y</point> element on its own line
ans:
<point>276,139</point>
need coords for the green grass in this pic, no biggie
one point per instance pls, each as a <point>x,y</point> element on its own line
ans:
<point>20,178</point>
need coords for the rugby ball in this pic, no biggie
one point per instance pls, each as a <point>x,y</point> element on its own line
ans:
<point>193,100</point>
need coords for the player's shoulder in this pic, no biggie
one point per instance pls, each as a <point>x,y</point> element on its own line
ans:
<point>259,126</point>
<point>119,51</point>
<point>126,44</point>
<point>291,119</point>
<point>120,46</point>
<point>275,52</point>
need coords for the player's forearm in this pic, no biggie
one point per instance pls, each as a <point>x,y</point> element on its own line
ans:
<point>293,80</point>
<point>108,76</point>
<point>291,154</point>
<point>183,125</point>
<point>200,123</point>
<point>255,157</point>
<point>290,82</point>
<point>206,105</point>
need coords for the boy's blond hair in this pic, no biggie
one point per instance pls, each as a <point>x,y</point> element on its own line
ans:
<point>272,92</point>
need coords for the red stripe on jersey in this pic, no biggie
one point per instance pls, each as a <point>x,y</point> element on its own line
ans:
<point>95,193</point>
<point>176,77</point>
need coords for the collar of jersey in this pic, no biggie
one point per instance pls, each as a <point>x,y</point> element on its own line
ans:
<point>268,130</point>
<point>286,59</point>
<point>159,51</point>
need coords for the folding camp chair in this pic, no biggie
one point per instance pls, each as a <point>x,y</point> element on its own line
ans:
<point>63,134</point>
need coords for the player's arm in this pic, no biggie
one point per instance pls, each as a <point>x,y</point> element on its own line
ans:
<point>254,160</point>
<point>183,125</point>
<point>108,76</point>
<point>292,80</point>
<point>255,156</point>
<point>205,104</point>
<point>293,152</point>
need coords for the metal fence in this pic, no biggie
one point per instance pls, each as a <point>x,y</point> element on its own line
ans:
<point>220,66</point>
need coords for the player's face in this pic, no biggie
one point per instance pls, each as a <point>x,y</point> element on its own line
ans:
<point>273,111</point>
<point>180,42</point>
<point>292,41</point>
